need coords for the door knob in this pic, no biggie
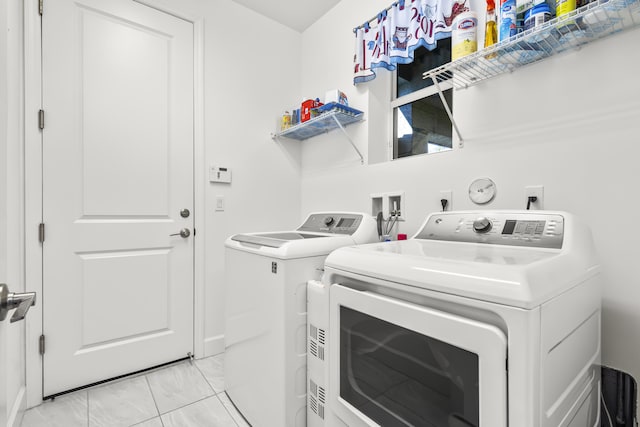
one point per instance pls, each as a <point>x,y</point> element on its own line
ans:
<point>10,300</point>
<point>184,233</point>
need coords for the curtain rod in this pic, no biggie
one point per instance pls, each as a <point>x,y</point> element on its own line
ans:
<point>375,17</point>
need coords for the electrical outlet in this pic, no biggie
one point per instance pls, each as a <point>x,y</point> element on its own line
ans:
<point>536,191</point>
<point>446,195</point>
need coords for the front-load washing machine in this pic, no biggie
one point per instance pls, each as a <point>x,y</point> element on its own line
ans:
<point>265,312</point>
<point>486,319</point>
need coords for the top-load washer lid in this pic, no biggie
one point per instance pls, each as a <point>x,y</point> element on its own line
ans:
<point>517,258</point>
<point>273,240</point>
<point>319,234</point>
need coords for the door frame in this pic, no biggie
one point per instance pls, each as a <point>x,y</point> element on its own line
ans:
<point>33,189</point>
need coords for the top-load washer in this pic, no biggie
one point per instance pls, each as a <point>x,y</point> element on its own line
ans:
<point>265,312</point>
<point>487,319</point>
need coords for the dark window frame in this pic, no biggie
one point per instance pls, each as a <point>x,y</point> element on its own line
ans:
<point>438,135</point>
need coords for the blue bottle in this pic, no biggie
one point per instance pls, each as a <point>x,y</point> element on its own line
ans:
<point>507,23</point>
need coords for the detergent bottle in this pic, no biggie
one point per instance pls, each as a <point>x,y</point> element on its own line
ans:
<point>491,27</point>
<point>464,35</point>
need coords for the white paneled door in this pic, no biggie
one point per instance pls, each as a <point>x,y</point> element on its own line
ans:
<point>117,190</point>
<point>4,342</point>
<point>3,375</point>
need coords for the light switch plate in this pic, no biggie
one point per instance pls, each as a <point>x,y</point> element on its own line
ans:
<point>219,203</point>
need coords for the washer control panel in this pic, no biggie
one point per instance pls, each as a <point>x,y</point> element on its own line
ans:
<point>338,223</point>
<point>533,229</point>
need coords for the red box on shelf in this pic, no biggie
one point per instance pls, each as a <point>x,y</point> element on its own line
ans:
<point>307,106</point>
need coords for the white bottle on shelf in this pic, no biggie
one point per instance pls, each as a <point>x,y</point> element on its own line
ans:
<point>464,35</point>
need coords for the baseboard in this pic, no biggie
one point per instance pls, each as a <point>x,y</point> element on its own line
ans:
<point>17,411</point>
<point>213,345</point>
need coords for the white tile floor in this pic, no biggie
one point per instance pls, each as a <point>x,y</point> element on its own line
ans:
<point>182,395</point>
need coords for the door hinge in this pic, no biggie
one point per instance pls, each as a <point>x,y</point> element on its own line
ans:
<point>41,232</point>
<point>41,119</point>
<point>40,6</point>
<point>194,232</point>
<point>41,346</point>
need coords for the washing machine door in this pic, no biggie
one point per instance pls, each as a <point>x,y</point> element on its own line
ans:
<point>394,363</point>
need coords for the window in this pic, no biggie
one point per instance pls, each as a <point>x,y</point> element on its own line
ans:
<point>420,121</point>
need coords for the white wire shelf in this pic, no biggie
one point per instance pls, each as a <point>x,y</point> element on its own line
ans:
<point>319,125</point>
<point>325,122</point>
<point>593,21</point>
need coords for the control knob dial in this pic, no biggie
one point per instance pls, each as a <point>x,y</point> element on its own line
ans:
<point>328,220</point>
<point>482,225</point>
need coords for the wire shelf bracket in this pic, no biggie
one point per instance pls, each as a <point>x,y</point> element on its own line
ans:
<point>448,110</point>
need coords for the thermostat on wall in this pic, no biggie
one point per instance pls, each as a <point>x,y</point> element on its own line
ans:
<point>219,174</point>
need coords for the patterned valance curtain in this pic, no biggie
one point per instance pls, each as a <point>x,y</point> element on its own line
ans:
<point>397,31</point>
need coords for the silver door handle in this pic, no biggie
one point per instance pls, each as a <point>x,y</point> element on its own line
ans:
<point>10,300</point>
<point>184,233</point>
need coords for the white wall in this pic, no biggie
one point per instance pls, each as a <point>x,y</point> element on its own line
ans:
<point>252,72</point>
<point>11,206</point>
<point>569,123</point>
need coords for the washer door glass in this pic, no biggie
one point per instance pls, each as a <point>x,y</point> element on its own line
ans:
<point>396,363</point>
<point>398,377</point>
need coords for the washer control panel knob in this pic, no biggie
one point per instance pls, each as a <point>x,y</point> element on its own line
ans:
<point>482,225</point>
<point>328,220</point>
